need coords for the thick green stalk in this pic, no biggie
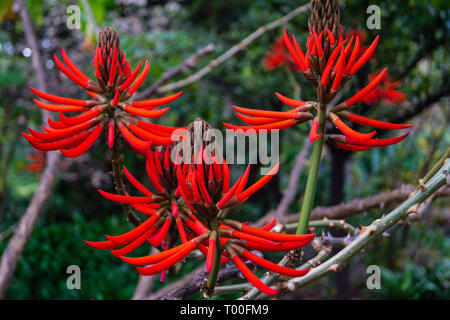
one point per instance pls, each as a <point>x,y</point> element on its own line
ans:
<point>216,265</point>
<point>313,174</point>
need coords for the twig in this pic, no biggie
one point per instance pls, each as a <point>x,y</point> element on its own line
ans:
<point>370,233</point>
<point>26,224</point>
<point>188,63</point>
<point>325,223</point>
<point>357,206</point>
<point>233,50</point>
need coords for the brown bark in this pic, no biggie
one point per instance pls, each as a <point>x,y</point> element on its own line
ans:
<point>16,245</point>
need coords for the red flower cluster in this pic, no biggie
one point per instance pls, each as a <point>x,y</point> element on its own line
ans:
<point>385,92</point>
<point>37,162</point>
<point>201,224</point>
<point>328,63</point>
<point>109,107</point>
<point>279,56</point>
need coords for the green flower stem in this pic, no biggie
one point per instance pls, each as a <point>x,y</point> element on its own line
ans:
<point>216,265</point>
<point>313,174</point>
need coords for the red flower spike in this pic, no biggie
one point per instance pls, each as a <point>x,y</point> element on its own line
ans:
<point>245,236</point>
<point>151,172</point>
<point>313,135</point>
<point>211,251</point>
<point>98,73</point>
<point>85,145</point>
<point>195,191</point>
<point>365,57</point>
<point>269,226</point>
<point>289,101</point>
<point>353,57</point>
<point>103,245</point>
<point>157,238</point>
<point>62,144</point>
<point>125,199</point>
<point>283,246</point>
<point>226,177</point>
<point>62,100</point>
<point>275,236</point>
<point>153,103</point>
<point>250,276</point>
<point>376,123</point>
<point>203,190</point>
<point>73,67</point>
<point>139,79</point>
<point>181,231</point>
<point>273,266</point>
<point>64,133</point>
<point>229,194</point>
<point>331,37</point>
<point>145,113</point>
<point>142,133</point>
<point>154,258</point>
<point>264,113</point>
<point>165,264</point>
<point>256,120</point>
<point>366,89</point>
<point>326,71</point>
<point>136,183</point>
<point>318,45</point>
<point>111,129</point>
<point>259,184</point>
<point>349,131</point>
<point>183,185</point>
<point>243,181</point>
<point>300,62</point>
<point>339,72</point>
<point>134,244</point>
<point>376,142</point>
<point>59,107</point>
<point>132,139</point>
<point>86,116</point>
<point>131,78</point>
<point>113,69</point>
<point>136,232</point>
<point>348,46</point>
<point>350,147</point>
<point>300,52</point>
<point>82,83</point>
<point>280,125</point>
<point>116,99</point>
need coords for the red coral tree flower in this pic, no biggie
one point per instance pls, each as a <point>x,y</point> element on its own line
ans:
<point>385,92</point>
<point>279,56</point>
<point>328,62</point>
<point>201,219</point>
<point>111,105</point>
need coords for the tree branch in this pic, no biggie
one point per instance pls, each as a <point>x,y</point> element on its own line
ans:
<point>232,51</point>
<point>26,224</point>
<point>182,67</point>
<point>371,232</point>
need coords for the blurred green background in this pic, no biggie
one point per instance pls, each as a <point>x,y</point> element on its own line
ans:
<point>414,45</point>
